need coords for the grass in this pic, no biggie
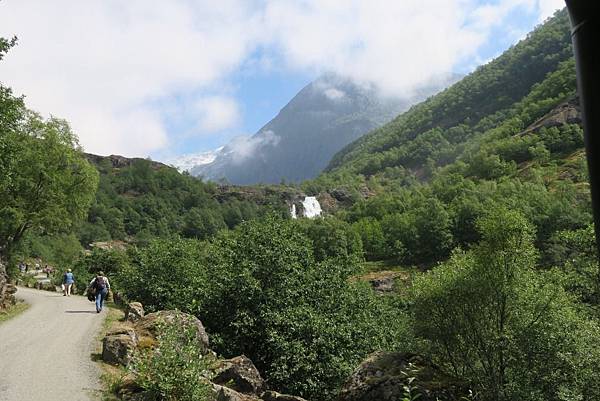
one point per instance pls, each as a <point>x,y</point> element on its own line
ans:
<point>13,311</point>
<point>382,269</point>
<point>385,265</point>
<point>111,376</point>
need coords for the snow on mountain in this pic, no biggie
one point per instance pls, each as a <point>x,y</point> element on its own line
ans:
<point>187,162</point>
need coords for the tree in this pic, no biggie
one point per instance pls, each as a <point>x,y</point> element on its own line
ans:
<point>302,322</point>
<point>513,333</point>
<point>46,184</point>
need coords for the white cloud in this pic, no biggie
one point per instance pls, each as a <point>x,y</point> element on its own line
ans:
<point>108,66</point>
<point>396,44</point>
<point>242,147</point>
<point>217,113</point>
<point>101,64</point>
<point>548,7</point>
<point>334,93</point>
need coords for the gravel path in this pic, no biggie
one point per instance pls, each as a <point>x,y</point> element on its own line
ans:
<point>45,353</point>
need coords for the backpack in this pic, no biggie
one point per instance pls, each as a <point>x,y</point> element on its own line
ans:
<point>100,284</point>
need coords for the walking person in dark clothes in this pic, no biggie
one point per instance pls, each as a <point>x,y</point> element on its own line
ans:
<point>100,285</point>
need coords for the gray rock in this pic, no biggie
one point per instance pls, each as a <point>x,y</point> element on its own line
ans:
<point>275,396</point>
<point>382,377</point>
<point>150,324</point>
<point>118,346</point>
<point>6,290</point>
<point>45,286</point>
<point>565,113</point>
<point>134,311</point>
<point>240,374</point>
<point>223,393</point>
<point>383,284</point>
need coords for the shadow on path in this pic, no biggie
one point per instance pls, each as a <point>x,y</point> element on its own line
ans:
<point>80,311</point>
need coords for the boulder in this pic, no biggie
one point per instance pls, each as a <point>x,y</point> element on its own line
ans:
<point>240,374</point>
<point>118,346</point>
<point>383,377</point>
<point>383,284</point>
<point>6,290</point>
<point>275,396</point>
<point>11,289</point>
<point>129,388</point>
<point>222,393</point>
<point>134,312</point>
<point>149,325</point>
<point>45,285</point>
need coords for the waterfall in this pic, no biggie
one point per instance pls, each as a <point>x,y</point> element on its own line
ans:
<point>293,211</point>
<point>312,208</point>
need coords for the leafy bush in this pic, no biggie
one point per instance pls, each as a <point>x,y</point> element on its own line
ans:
<point>176,370</point>
<point>110,261</point>
<point>302,322</point>
<point>512,332</point>
<point>260,291</point>
<point>168,274</point>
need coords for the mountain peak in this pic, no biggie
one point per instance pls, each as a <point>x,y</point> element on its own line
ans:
<point>326,115</point>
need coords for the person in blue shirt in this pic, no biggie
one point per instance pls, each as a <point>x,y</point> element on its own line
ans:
<point>68,280</point>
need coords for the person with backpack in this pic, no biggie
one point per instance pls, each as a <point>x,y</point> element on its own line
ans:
<point>100,285</point>
<point>68,280</point>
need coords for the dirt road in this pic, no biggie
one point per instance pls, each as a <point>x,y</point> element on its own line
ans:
<point>45,353</point>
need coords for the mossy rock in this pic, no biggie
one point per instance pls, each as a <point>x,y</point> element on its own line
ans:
<point>383,377</point>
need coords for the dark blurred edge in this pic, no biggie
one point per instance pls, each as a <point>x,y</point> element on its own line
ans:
<point>584,30</point>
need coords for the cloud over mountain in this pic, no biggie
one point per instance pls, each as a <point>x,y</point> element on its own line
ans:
<point>109,67</point>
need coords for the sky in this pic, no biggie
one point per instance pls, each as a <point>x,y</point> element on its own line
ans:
<point>161,79</point>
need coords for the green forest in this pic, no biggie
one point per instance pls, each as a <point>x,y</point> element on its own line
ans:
<point>479,195</point>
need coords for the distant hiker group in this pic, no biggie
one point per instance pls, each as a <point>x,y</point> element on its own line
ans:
<point>97,290</point>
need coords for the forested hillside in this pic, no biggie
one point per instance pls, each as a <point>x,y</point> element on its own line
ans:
<point>438,129</point>
<point>139,199</point>
<point>507,134</point>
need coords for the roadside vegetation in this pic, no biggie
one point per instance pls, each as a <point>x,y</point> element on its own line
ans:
<point>12,311</point>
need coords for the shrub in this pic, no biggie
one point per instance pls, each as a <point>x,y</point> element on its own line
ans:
<point>260,291</point>
<point>487,316</point>
<point>168,274</point>
<point>176,370</point>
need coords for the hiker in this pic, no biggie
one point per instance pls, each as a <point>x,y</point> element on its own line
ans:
<point>67,284</point>
<point>100,285</point>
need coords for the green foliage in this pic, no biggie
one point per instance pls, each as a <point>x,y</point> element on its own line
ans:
<point>168,274</point>
<point>59,250</point>
<point>512,332</point>
<point>175,370</point>
<point>301,321</point>
<point>260,291</point>
<point>48,185</point>
<point>111,262</point>
<point>146,200</point>
<point>576,254</point>
<point>331,238</point>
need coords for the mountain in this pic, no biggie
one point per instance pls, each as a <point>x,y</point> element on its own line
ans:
<point>297,144</point>
<point>437,129</point>
<point>507,136</point>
